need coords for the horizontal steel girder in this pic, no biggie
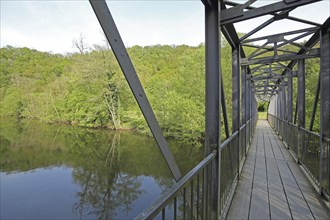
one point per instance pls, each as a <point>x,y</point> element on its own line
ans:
<point>287,57</point>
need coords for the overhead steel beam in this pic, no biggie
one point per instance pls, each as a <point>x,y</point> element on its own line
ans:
<point>309,44</point>
<point>277,47</point>
<point>281,35</point>
<point>228,17</point>
<point>230,3</point>
<point>108,25</point>
<point>269,48</point>
<point>266,60</point>
<point>207,3</point>
<point>272,77</point>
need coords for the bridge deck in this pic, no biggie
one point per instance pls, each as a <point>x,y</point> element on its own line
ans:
<point>272,186</point>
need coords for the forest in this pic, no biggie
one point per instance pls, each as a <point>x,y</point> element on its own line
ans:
<point>88,88</point>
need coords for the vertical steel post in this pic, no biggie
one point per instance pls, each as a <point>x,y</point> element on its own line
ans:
<point>236,99</point>
<point>325,110</point>
<point>212,105</point>
<point>289,100</point>
<point>280,105</point>
<point>284,101</point>
<point>301,106</point>
<point>244,116</point>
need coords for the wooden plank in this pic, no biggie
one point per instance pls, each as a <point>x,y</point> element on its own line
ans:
<point>273,175</point>
<point>318,208</point>
<point>279,207</point>
<point>300,177</point>
<point>286,175</point>
<point>298,205</point>
<point>248,168</point>
<point>259,208</point>
<point>260,170</point>
<point>279,189</point>
<point>239,208</point>
<point>315,203</point>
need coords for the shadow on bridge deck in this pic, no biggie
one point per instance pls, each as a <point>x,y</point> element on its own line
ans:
<point>272,186</point>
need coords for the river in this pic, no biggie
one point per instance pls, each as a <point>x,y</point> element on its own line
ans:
<point>53,171</point>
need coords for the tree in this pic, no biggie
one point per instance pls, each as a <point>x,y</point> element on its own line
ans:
<point>80,44</point>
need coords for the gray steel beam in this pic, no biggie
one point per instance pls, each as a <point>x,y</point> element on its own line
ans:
<point>301,94</point>
<point>248,100</point>
<point>255,30</point>
<point>212,104</point>
<point>325,107</point>
<point>280,35</point>
<point>309,44</point>
<point>235,90</point>
<point>277,47</point>
<point>108,25</point>
<point>224,110</point>
<point>240,15</point>
<point>207,3</point>
<point>244,73</point>
<point>301,106</point>
<point>266,60</point>
<point>236,100</point>
<point>316,100</point>
<point>289,100</point>
<point>325,83</point>
<point>244,116</point>
<point>230,3</point>
<point>284,102</point>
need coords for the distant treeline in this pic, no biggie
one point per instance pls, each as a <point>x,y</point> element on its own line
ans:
<point>89,89</point>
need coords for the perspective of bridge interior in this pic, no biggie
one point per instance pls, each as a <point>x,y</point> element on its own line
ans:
<point>277,168</point>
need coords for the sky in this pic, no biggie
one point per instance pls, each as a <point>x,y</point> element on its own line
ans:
<point>51,25</point>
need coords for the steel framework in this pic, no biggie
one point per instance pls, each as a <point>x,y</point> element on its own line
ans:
<point>263,69</point>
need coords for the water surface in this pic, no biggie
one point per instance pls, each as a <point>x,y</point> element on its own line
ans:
<point>65,172</point>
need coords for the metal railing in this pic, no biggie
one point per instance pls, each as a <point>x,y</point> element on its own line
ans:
<point>189,198</point>
<point>306,147</point>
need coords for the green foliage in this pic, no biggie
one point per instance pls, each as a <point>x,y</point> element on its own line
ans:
<point>90,90</point>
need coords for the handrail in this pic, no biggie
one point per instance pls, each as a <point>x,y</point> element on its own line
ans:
<point>153,210</point>
<point>179,188</point>
<point>228,140</point>
<point>307,148</point>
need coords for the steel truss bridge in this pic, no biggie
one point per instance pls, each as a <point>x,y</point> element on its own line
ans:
<point>260,170</point>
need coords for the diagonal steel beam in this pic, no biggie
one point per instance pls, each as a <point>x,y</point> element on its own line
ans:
<point>240,15</point>
<point>230,3</point>
<point>273,36</point>
<point>309,44</point>
<point>108,25</point>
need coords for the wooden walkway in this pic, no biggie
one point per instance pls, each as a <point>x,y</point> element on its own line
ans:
<point>272,186</point>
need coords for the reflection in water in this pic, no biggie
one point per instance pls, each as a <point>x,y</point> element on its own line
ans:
<point>106,190</point>
<point>113,174</point>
